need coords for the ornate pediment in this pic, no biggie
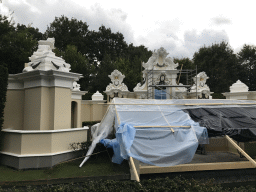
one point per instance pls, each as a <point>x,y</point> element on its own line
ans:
<point>117,84</point>
<point>160,61</point>
<point>45,59</point>
<point>116,77</point>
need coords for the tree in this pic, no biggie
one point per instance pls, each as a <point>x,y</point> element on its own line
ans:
<point>247,60</point>
<point>16,45</point>
<point>34,32</point>
<point>68,32</point>
<point>79,64</point>
<point>185,64</point>
<point>220,64</point>
<point>104,42</point>
<point>100,79</point>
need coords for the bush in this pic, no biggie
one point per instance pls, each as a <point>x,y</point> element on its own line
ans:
<point>89,123</point>
<point>3,89</point>
<point>218,96</point>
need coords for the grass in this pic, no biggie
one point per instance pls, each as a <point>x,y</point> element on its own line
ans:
<point>98,165</point>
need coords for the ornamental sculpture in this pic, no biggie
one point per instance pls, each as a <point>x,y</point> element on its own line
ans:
<point>45,59</point>
<point>159,60</point>
<point>200,85</point>
<point>117,88</point>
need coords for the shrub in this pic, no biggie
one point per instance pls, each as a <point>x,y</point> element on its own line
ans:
<point>3,89</point>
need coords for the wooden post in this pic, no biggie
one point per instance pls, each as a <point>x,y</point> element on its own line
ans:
<point>241,150</point>
<point>134,170</point>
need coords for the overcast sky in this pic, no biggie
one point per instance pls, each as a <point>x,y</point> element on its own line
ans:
<point>181,26</point>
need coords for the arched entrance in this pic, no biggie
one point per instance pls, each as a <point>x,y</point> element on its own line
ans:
<point>73,114</point>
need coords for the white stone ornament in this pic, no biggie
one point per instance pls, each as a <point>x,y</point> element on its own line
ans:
<point>238,87</point>
<point>97,96</point>
<point>159,60</point>
<point>44,59</point>
<point>116,77</point>
<point>200,85</point>
<point>76,86</point>
<point>117,85</point>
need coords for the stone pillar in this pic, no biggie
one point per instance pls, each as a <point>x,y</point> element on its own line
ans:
<point>47,99</point>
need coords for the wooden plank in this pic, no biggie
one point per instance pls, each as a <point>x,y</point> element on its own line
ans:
<point>118,119</point>
<point>160,126</point>
<point>134,170</point>
<point>196,167</point>
<point>188,104</point>
<point>241,150</point>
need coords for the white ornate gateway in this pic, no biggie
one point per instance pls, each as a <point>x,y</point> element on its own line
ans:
<point>44,59</point>
<point>159,71</point>
<point>117,88</point>
<point>160,81</point>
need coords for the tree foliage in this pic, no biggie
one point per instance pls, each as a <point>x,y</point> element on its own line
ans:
<point>220,64</point>
<point>185,64</point>
<point>68,32</point>
<point>79,64</point>
<point>247,60</point>
<point>129,64</point>
<point>16,44</point>
<point>104,41</point>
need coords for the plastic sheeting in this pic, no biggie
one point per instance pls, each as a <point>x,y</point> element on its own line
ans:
<point>237,122</point>
<point>160,94</point>
<point>152,145</point>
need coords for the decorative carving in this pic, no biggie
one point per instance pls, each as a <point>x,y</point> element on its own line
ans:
<point>116,77</point>
<point>45,59</point>
<point>139,87</point>
<point>159,60</point>
<point>76,86</point>
<point>121,87</point>
<point>202,88</point>
<point>162,80</point>
<point>116,87</point>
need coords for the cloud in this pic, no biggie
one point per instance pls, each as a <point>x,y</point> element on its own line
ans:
<point>164,34</point>
<point>42,12</point>
<point>221,20</point>
<point>180,44</point>
<point>193,40</point>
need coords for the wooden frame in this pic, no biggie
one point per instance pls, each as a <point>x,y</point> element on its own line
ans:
<point>204,166</point>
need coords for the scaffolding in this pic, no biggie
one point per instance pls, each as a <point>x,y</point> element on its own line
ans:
<point>151,85</point>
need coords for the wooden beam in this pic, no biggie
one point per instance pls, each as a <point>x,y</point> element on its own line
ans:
<point>196,167</point>
<point>187,104</point>
<point>134,170</point>
<point>160,126</point>
<point>241,150</point>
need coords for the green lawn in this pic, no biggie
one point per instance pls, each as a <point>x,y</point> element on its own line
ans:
<point>99,165</point>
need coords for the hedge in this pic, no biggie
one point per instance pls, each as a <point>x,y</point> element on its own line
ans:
<point>177,184</point>
<point>3,89</point>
